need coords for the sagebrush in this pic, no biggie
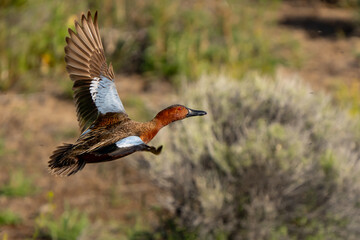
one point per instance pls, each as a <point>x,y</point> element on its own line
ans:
<point>271,160</point>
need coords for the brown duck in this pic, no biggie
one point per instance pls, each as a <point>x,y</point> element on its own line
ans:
<point>107,131</point>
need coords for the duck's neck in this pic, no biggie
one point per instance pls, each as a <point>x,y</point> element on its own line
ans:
<point>151,128</point>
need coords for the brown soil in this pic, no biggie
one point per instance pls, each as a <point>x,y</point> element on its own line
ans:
<point>329,42</point>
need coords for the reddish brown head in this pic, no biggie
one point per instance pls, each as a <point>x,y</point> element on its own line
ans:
<point>166,116</point>
<point>175,113</point>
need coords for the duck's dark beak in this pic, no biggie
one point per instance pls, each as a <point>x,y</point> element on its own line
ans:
<point>193,113</point>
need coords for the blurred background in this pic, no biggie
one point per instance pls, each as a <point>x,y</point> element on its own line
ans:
<point>277,156</point>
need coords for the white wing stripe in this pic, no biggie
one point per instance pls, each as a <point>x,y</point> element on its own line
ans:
<point>105,95</point>
<point>129,142</point>
<point>93,88</point>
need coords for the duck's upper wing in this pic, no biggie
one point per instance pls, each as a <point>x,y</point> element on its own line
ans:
<point>94,88</point>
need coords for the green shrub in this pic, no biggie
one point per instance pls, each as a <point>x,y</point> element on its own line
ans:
<point>271,160</point>
<point>8,217</point>
<point>32,37</point>
<point>187,38</point>
<point>168,229</point>
<point>18,185</point>
<point>166,39</point>
<point>69,226</point>
<point>348,95</point>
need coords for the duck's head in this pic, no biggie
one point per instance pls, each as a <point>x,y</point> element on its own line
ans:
<point>177,112</point>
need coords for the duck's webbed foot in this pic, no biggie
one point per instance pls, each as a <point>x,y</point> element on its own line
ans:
<point>152,149</point>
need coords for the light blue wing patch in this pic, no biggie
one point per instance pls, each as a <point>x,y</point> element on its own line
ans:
<point>125,147</point>
<point>105,96</point>
<point>129,142</point>
<point>85,132</point>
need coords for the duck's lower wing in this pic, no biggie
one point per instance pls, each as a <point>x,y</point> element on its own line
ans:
<point>65,161</point>
<point>119,149</point>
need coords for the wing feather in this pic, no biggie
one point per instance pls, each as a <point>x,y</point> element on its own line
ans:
<point>80,43</point>
<point>75,64</point>
<point>94,89</point>
<point>120,149</point>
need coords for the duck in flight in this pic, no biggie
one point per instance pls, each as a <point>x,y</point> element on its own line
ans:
<point>107,131</point>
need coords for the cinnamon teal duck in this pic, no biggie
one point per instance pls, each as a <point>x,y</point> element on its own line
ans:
<point>107,133</point>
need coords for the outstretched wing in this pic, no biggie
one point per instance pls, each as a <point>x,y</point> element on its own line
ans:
<point>94,88</point>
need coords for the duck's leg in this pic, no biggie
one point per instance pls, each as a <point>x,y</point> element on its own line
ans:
<point>120,152</point>
<point>152,149</point>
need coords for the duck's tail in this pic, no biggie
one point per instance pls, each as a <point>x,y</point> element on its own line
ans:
<point>63,163</point>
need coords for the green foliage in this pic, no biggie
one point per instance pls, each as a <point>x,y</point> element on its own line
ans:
<point>348,96</point>
<point>269,161</point>
<point>178,38</point>
<point>8,217</point>
<point>137,108</point>
<point>18,185</point>
<point>68,226</point>
<point>32,37</point>
<point>168,229</point>
<point>158,38</point>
